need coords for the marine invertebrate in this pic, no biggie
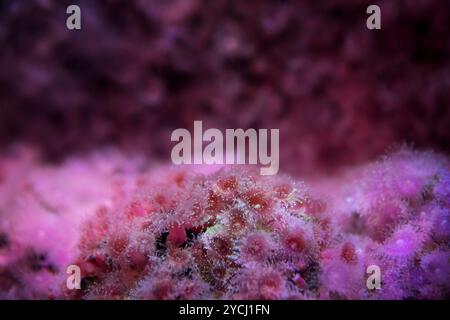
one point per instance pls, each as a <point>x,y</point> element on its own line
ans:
<point>226,232</point>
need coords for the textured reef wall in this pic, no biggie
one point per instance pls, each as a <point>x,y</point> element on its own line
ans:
<point>340,94</point>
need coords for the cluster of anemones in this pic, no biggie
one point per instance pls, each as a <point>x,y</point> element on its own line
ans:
<point>235,234</point>
<point>226,233</point>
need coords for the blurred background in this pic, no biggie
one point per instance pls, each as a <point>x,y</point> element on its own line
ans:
<point>339,93</point>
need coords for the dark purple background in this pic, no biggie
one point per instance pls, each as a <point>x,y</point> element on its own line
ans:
<point>339,93</point>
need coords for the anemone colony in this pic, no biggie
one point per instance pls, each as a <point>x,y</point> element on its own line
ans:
<point>85,123</point>
<point>224,233</point>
